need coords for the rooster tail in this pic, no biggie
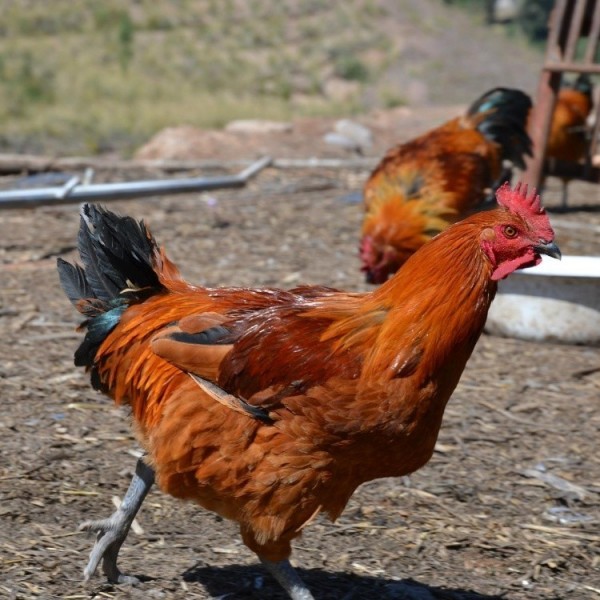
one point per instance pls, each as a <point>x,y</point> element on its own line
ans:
<point>120,259</point>
<point>501,116</point>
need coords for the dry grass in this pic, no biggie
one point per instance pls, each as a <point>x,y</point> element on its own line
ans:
<point>94,77</point>
<point>100,76</point>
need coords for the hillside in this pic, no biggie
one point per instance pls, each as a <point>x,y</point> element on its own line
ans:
<point>92,77</point>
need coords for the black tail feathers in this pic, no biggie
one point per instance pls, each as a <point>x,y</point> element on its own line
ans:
<point>117,255</point>
<point>505,122</point>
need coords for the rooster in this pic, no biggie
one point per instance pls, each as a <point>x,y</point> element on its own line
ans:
<point>269,407</point>
<point>567,140</point>
<point>424,185</point>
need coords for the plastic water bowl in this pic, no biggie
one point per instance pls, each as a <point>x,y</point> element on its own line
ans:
<point>553,302</point>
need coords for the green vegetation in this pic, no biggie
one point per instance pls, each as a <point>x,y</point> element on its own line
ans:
<point>94,76</point>
<point>81,76</point>
<point>350,68</point>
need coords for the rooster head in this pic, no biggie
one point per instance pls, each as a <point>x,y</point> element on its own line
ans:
<point>521,234</point>
<point>379,260</point>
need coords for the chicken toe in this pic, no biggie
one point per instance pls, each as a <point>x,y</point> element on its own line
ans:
<point>287,577</point>
<point>113,531</point>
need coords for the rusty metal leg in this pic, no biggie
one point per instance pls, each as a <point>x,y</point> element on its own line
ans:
<point>539,126</point>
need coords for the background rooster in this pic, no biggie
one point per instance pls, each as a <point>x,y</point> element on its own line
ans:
<point>424,185</point>
<point>568,138</point>
<point>269,406</point>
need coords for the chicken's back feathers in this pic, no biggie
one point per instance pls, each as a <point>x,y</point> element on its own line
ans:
<point>424,185</point>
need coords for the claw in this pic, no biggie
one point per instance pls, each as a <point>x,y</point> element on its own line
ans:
<point>112,532</point>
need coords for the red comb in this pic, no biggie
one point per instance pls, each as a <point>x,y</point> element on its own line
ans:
<point>517,201</point>
<point>530,208</point>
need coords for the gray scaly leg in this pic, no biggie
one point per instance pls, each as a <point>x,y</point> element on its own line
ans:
<point>113,531</point>
<point>289,580</point>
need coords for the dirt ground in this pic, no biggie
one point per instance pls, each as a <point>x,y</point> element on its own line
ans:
<point>507,508</point>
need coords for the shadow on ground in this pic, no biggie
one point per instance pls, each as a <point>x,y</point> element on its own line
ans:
<point>246,582</point>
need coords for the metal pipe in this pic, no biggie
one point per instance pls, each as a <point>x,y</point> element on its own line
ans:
<point>593,37</point>
<point>572,67</point>
<point>73,191</point>
<point>595,140</point>
<point>575,29</point>
<point>11,164</point>
<point>556,35</point>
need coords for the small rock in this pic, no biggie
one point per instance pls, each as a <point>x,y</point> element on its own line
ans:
<point>258,126</point>
<point>355,131</point>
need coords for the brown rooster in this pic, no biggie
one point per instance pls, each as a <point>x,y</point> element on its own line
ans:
<point>269,407</point>
<point>426,184</point>
<point>568,140</point>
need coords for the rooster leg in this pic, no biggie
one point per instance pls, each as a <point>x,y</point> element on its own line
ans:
<point>113,531</point>
<point>285,574</point>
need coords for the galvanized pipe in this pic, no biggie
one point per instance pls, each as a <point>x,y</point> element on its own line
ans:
<point>73,191</point>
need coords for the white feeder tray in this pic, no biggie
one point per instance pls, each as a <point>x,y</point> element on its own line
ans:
<point>556,301</point>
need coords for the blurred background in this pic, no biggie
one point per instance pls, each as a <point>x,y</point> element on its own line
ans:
<point>102,77</point>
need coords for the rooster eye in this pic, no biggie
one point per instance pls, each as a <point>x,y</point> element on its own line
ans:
<point>510,231</point>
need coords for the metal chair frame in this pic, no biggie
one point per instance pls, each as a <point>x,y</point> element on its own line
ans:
<point>570,21</point>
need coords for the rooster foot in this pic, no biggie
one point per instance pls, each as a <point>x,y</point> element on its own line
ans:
<point>112,532</point>
<point>289,580</point>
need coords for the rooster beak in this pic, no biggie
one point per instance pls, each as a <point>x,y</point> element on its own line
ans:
<point>548,248</point>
